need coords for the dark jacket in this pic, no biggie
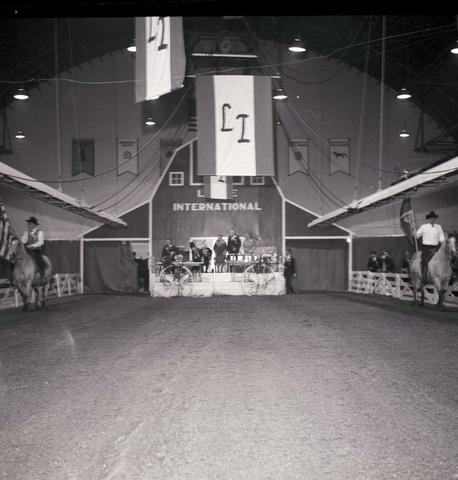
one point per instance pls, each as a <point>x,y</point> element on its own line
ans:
<point>233,244</point>
<point>290,266</point>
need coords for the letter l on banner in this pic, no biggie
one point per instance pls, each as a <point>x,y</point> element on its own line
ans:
<point>160,61</point>
<point>234,114</point>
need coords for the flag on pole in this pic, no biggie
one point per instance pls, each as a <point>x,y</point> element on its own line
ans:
<point>407,221</point>
<point>218,187</point>
<point>6,235</point>
<point>234,115</point>
<point>160,60</point>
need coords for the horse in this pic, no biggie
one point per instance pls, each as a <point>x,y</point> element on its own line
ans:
<point>25,275</point>
<point>439,270</point>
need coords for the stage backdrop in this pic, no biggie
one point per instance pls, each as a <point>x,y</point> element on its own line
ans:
<point>181,212</point>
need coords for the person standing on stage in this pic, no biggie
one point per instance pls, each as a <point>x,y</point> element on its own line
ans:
<point>233,243</point>
<point>220,249</point>
<point>168,253</point>
<point>290,271</point>
<point>206,257</point>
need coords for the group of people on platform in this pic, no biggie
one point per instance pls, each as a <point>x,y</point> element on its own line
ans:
<point>222,250</point>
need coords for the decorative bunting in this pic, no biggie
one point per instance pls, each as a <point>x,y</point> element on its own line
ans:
<point>339,155</point>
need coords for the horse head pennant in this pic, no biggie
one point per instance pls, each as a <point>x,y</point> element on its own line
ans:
<point>6,234</point>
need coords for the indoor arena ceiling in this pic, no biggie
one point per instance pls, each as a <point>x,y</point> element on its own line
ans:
<point>417,52</point>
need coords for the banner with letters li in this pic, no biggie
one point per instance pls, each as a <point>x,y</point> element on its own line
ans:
<point>160,61</point>
<point>234,115</point>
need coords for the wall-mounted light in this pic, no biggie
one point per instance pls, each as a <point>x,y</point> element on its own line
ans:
<point>297,46</point>
<point>150,122</point>
<point>21,94</point>
<point>20,134</point>
<point>132,48</point>
<point>279,94</point>
<point>403,94</point>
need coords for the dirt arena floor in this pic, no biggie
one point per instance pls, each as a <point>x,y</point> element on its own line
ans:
<point>310,386</point>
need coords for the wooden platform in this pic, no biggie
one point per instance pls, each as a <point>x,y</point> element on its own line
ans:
<point>217,284</point>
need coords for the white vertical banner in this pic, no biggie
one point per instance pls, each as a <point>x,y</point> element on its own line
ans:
<point>234,114</point>
<point>127,156</point>
<point>218,187</point>
<point>160,61</point>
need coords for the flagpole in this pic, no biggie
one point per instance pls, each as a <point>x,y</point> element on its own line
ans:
<point>414,232</point>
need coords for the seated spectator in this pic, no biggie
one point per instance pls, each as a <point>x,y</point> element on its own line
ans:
<point>406,261</point>
<point>373,262</point>
<point>386,263</point>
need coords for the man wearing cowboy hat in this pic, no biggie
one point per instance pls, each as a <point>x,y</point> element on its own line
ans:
<point>33,239</point>
<point>432,237</point>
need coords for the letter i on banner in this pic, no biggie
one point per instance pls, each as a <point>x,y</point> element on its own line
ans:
<point>160,61</point>
<point>234,115</point>
<point>218,187</point>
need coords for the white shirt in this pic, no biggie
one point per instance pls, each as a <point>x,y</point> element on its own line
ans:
<point>39,243</point>
<point>432,234</point>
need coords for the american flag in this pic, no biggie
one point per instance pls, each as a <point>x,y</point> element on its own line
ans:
<point>6,235</point>
<point>407,221</point>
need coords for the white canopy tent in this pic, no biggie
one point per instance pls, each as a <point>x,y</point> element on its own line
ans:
<point>433,175</point>
<point>30,186</point>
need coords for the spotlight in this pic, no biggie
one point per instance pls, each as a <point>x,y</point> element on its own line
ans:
<point>150,122</point>
<point>403,94</point>
<point>279,94</point>
<point>20,134</point>
<point>21,95</point>
<point>297,46</point>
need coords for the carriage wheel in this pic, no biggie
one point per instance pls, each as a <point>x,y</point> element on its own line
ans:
<point>175,281</point>
<point>184,277</point>
<point>258,280</point>
<point>167,284</point>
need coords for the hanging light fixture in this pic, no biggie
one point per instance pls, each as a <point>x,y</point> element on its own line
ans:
<point>20,94</point>
<point>455,49</point>
<point>279,94</point>
<point>150,122</point>
<point>403,94</point>
<point>20,134</point>
<point>132,47</point>
<point>404,133</point>
<point>297,46</point>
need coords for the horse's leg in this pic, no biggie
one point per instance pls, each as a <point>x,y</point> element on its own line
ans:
<point>36,289</point>
<point>26,292</point>
<point>422,291</point>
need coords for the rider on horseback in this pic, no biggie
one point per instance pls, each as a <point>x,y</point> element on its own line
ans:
<point>432,237</point>
<point>33,239</point>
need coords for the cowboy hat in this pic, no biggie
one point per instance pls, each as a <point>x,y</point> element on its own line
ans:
<point>432,214</point>
<point>32,220</point>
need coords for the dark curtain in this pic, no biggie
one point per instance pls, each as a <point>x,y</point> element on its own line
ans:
<point>64,255</point>
<point>320,264</point>
<point>109,267</point>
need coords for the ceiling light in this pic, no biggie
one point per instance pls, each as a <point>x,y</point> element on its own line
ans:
<point>150,122</point>
<point>132,47</point>
<point>404,133</point>
<point>20,134</point>
<point>20,94</point>
<point>279,94</point>
<point>297,46</point>
<point>455,49</point>
<point>403,94</point>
